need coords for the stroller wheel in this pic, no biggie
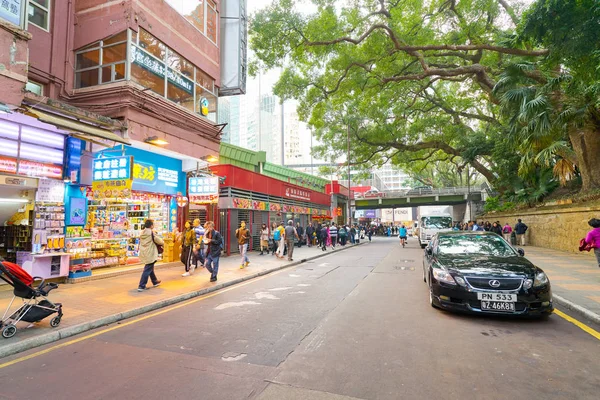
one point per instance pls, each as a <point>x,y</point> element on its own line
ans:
<point>9,331</point>
<point>54,322</point>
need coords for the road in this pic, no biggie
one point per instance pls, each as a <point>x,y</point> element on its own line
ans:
<point>356,324</point>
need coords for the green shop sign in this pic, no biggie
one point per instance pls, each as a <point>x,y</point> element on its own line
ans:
<point>149,63</point>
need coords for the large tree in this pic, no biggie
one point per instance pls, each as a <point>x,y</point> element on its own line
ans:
<point>409,81</point>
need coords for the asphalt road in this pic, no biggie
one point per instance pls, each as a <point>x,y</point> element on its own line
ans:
<point>356,324</point>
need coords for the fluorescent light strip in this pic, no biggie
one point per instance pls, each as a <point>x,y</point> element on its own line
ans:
<point>32,135</point>
<point>8,131</point>
<point>7,200</point>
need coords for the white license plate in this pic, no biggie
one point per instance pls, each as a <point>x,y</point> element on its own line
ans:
<point>497,306</point>
<point>510,298</point>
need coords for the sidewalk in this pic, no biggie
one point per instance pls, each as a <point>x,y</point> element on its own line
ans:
<point>91,304</point>
<point>575,279</point>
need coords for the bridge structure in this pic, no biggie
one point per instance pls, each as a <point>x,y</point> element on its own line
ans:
<point>422,197</point>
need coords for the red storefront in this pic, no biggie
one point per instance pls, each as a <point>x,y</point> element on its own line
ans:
<point>258,199</point>
<point>340,196</point>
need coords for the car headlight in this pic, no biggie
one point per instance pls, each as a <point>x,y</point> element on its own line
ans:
<point>443,276</point>
<point>541,279</point>
<point>460,281</point>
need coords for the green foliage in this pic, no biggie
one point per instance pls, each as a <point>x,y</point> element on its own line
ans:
<point>436,86</point>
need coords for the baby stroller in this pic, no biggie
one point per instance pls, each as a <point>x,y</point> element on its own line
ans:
<point>33,309</point>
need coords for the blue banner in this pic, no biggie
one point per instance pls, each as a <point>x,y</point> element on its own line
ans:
<point>155,173</point>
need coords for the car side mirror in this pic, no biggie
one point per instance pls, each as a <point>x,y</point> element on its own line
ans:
<point>521,252</point>
<point>429,251</point>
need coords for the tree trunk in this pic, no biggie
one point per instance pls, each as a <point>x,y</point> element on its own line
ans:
<point>586,144</point>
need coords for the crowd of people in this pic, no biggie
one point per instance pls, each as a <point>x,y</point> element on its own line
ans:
<point>505,230</point>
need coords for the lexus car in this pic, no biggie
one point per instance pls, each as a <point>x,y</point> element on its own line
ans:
<point>480,272</point>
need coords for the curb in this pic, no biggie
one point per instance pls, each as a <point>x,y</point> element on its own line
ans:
<point>64,333</point>
<point>581,311</point>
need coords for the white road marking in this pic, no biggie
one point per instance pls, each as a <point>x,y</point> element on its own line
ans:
<point>300,292</point>
<point>294,276</point>
<point>265,295</point>
<point>233,304</point>
<point>323,265</point>
<point>279,289</point>
<point>304,284</point>
<point>233,356</point>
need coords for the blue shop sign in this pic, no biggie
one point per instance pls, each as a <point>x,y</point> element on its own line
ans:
<point>155,173</point>
<point>112,168</point>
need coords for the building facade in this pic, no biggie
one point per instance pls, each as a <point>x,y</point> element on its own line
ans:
<point>105,109</point>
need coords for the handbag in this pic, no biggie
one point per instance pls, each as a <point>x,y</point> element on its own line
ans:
<point>584,246</point>
<point>159,247</point>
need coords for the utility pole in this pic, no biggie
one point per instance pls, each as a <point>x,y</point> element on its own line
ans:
<point>282,136</point>
<point>349,177</point>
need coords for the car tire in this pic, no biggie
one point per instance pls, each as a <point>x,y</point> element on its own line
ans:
<point>423,245</point>
<point>424,276</point>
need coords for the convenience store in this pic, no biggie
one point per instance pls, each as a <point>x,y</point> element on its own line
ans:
<point>129,186</point>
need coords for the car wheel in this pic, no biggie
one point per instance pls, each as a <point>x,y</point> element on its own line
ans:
<point>424,276</point>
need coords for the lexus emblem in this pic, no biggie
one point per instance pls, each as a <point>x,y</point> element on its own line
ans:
<point>494,283</point>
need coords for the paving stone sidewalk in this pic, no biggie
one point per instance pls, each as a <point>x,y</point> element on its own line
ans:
<point>574,277</point>
<point>94,300</point>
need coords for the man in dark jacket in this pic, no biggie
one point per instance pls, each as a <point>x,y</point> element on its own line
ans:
<point>214,241</point>
<point>300,231</point>
<point>309,235</point>
<point>520,229</point>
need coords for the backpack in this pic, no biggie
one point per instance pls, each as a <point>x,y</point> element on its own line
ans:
<point>277,235</point>
<point>342,232</point>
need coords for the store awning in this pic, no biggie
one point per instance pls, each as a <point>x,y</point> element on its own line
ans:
<point>83,131</point>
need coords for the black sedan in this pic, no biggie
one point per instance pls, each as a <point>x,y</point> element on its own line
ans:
<point>480,272</point>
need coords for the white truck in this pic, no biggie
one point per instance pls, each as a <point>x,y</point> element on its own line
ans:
<point>430,220</point>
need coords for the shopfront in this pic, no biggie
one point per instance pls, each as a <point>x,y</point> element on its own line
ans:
<point>257,199</point>
<point>129,186</point>
<point>32,195</point>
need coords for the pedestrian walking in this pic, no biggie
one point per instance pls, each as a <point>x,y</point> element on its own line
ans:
<point>198,248</point>
<point>242,235</point>
<point>520,230</point>
<point>309,235</point>
<point>264,239</point>
<point>353,235</point>
<point>506,232</point>
<point>149,251</point>
<point>343,233</point>
<point>289,234</point>
<point>300,231</point>
<point>275,243</point>
<point>370,233</point>
<point>496,228</point>
<point>279,236</point>
<point>214,245</point>
<point>593,237</point>
<point>333,233</point>
<point>188,244</point>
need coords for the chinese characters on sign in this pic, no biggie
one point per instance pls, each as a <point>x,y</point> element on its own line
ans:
<point>115,168</point>
<point>10,10</point>
<point>144,172</point>
<point>112,177</point>
<point>295,193</point>
<point>204,190</point>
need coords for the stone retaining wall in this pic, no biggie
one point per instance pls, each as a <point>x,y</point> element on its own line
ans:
<point>557,227</point>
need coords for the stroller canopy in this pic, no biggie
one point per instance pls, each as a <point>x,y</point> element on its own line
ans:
<point>17,272</point>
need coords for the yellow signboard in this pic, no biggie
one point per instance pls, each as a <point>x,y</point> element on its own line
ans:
<point>120,188</point>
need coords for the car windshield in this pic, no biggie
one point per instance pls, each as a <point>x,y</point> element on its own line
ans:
<point>437,222</point>
<point>489,245</point>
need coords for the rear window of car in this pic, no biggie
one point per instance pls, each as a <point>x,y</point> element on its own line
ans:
<point>475,245</point>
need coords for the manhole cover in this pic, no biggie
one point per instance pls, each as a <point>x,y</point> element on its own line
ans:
<point>402,268</point>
